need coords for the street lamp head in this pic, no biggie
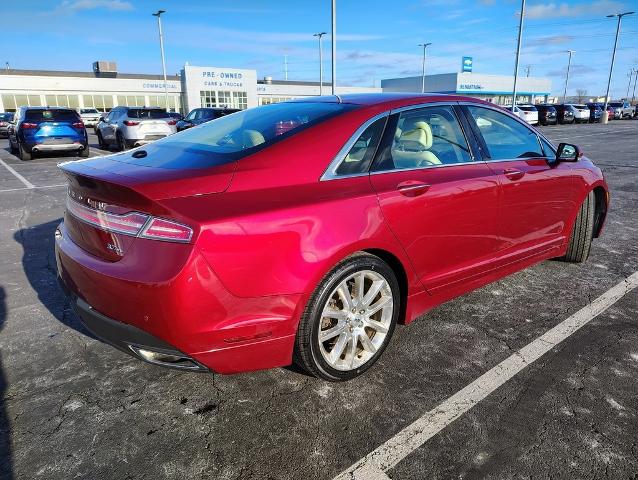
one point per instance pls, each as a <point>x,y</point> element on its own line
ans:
<point>158,13</point>
<point>320,34</point>
<point>620,14</point>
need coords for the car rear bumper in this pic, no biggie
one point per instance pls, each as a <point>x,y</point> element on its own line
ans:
<point>64,147</point>
<point>186,313</point>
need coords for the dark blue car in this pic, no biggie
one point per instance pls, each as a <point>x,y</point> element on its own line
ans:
<point>47,129</point>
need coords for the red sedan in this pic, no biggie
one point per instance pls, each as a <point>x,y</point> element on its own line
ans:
<point>241,245</point>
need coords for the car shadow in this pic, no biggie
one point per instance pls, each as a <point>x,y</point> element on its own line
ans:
<point>6,464</point>
<point>38,263</point>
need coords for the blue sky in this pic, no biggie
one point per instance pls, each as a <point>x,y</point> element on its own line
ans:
<point>376,38</point>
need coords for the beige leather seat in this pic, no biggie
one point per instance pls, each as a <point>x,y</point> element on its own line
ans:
<point>251,138</point>
<point>412,148</point>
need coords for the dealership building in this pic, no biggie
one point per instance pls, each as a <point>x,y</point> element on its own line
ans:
<point>104,88</point>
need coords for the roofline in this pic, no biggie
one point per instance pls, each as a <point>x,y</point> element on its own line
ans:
<point>76,74</point>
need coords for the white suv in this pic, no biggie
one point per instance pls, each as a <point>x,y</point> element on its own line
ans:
<point>90,116</point>
<point>127,127</point>
<point>581,113</point>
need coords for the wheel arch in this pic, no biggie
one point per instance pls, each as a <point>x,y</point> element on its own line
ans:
<point>399,271</point>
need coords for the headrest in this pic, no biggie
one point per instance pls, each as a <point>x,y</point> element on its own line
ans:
<point>420,138</point>
<point>250,138</point>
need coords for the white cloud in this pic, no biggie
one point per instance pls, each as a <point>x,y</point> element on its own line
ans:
<point>77,5</point>
<point>555,10</point>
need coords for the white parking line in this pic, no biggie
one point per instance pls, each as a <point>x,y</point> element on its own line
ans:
<point>383,458</point>
<point>26,182</point>
<point>33,187</point>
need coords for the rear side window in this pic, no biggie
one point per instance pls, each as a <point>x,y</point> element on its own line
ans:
<point>505,137</point>
<point>53,115</point>
<point>426,137</point>
<point>235,136</point>
<point>147,113</point>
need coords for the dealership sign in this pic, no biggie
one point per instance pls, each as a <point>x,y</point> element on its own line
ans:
<point>471,86</point>
<point>467,64</point>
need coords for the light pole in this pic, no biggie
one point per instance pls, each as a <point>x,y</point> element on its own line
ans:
<point>613,58</point>
<point>633,95</point>
<point>630,74</point>
<point>333,39</point>
<point>424,45</point>
<point>518,53</point>
<point>158,14</point>
<point>569,64</point>
<point>320,34</point>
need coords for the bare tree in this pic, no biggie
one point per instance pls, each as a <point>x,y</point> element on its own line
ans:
<point>580,93</point>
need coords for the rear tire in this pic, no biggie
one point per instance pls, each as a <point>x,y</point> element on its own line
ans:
<point>84,153</point>
<point>13,148</point>
<point>23,153</point>
<point>582,233</point>
<point>361,324</point>
<point>121,143</point>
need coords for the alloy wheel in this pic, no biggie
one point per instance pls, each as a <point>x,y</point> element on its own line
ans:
<point>355,320</point>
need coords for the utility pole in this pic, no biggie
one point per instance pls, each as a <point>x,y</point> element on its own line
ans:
<point>569,64</point>
<point>518,53</point>
<point>333,39</point>
<point>630,74</point>
<point>613,58</point>
<point>321,34</point>
<point>286,67</point>
<point>424,45</point>
<point>633,95</point>
<point>158,14</point>
<point>528,68</point>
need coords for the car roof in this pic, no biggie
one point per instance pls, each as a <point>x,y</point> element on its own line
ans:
<point>391,100</point>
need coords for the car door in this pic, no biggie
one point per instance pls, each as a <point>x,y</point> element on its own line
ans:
<point>437,196</point>
<point>109,125</point>
<point>537,193</point>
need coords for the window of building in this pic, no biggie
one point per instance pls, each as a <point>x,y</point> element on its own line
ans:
<point>505,137</point>
<point>9,102</point>
<point>224,99</point>
<point>240,100</point>
<point>207,98</point>
<point>270,100</point>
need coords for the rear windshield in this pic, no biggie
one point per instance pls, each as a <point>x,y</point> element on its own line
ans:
<point>527,108</point>
<point>53,115</point>
<point>615,104</point>
<point>88,110</point>
<point>147,113</point>
<point>6,116</point>
<point>234,136</point>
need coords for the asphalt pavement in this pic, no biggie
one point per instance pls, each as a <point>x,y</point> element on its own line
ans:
<point>73,407</point>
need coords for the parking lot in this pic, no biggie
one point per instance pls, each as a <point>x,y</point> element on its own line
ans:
<point>73,407</point>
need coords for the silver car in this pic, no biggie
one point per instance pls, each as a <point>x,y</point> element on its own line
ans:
<point>127,127</point>
<point>89,116</point>
<point>5,120</point>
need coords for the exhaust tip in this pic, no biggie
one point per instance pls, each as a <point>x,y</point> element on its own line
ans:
<point>165,359</point>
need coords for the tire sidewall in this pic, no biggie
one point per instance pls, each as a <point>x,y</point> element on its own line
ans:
<point>340,273</point>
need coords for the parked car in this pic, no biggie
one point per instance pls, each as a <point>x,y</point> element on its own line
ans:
<point>203,115</point>
<point>595,112</point>
<point>127,127</point>
<point>90,116</point>
<point>636,110</point>
<point>622,109</point>
<point>611,112</point>
<point>581,113</point>
<point>527,113</point>
<point>566,113</point>
<point>176,115</point>
<point>47,129</point>
<point>5,120</point>
<point>230,247</point>
<point>547,114</point>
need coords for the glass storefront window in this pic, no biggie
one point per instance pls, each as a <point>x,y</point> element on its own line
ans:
<point>224,99</point>
<point>9,102</point>
<point>240,100</point>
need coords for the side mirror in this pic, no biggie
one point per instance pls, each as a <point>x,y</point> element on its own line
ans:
<point>567,153</point>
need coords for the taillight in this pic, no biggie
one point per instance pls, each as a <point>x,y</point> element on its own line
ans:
<point>172,122</point>
<point>160,229</point>
<point>134,223</point>
<point>28,126</point>
<point>78,125</point>
<point>130,123</point>
<point>3,124</point>
<point>129,224</point>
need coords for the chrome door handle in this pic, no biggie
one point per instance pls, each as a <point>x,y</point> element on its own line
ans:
<point>412,189</point>
<point>513,173</point>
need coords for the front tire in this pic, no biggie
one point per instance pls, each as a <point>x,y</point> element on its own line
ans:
<point>349,319</point>
<point>582,233</point>
<point>121,143</point>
